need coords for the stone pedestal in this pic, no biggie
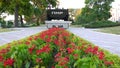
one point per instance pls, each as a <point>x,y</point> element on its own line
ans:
<point>57,23</point>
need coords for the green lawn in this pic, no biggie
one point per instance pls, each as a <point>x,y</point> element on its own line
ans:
<point>76,25</point>
<point>5,30</point>
<point>112,30</point>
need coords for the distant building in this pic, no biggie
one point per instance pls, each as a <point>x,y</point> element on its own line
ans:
<point>9,17</point>
<point>115,12</point>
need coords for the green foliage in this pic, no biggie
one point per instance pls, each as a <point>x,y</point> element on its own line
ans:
<point>28,8</point>
<point>10,24</point>
<point>101,24</point>
<point>95,10</point>
<point>3,24</point>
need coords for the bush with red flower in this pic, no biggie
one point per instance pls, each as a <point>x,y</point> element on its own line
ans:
<point>56,48</point>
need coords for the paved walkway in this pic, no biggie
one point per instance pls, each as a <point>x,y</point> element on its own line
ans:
<point>7,37</point>
<point>106,41</point>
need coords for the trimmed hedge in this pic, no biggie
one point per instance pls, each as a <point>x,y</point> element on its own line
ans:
<point>101,24</point>
<point>4,25</point>
<point>10,24</point>
<point>56,48</point>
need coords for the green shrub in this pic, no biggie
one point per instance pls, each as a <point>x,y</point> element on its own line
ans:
<point>80,20</point>
<point>101,24</point>
<point>33,24</point>
<point>9,24</point>
<point>56,48</point>
<point>3,24</point>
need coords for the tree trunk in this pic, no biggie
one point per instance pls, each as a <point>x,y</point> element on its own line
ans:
<point>43,17</point>
<point>21,20</point>
<point>16,16</point>
<point>38,21</point>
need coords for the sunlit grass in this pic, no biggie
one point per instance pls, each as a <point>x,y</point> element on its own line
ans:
<point>112,30</point>
<point>76,25</point>
<point>5,30</point>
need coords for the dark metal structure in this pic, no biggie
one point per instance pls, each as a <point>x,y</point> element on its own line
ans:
<point>57,14</point>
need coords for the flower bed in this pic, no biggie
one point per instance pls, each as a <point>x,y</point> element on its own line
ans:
<point>56,48</point>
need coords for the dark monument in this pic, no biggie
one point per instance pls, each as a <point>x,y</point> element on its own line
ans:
<point>57,14</point>
<point>57,18</point>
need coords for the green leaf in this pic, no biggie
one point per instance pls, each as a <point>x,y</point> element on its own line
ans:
<point>37,66</point>
<point>77,63</point>
<point>57,66</point>
<point>27,65</point>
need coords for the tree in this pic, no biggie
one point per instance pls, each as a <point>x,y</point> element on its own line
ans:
<point>40,9</point>
<point>16,7</point>
<point>95,10</point>
<point>73,13</point>
<point>25,7</point>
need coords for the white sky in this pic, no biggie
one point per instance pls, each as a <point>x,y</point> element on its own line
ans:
<point>71,3</point>
<point>80,3</point>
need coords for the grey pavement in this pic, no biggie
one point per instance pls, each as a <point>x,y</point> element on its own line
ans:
<point>19,33</point>
<point>106,41</point>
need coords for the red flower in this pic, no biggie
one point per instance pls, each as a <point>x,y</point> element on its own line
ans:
<point>63,61</point>
<point>89,49</point>
<point>48,39</point>
<point>82,47</point>
<point>43,35</point>
<point>62,49</point>
<point>101,55</point>
<point>1,59</point>
<point>38,51</point>
<point>57,55</point>
<point>57,59</point>
<point>30,38</point>
<point>3,51</point>
<point>39,60</point>
<point>79,47</point>
<point>73,45</point>
<point>53,67</point>
<point>31,49</point>
<point>27,43</point>
<point>8,62</point>
<point>76,56</point>
<point>70,50</point>
<point>95,50</point>
<point>36,37</point>
<point>44,49</point>
<point>56,42</point>
<point>66,59</point>
<point>108,62</point>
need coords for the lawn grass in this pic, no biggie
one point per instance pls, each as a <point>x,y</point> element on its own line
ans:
<point>5,30</point>
<point>112,30</point>
<point>76,25</point>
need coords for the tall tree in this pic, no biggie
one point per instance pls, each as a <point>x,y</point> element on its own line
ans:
<point>40,8</point>
<point>16,7</point>
<point>95,10</point>
<point>25,7</point>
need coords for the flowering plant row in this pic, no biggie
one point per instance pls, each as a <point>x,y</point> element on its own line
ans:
<point>55,48</point>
